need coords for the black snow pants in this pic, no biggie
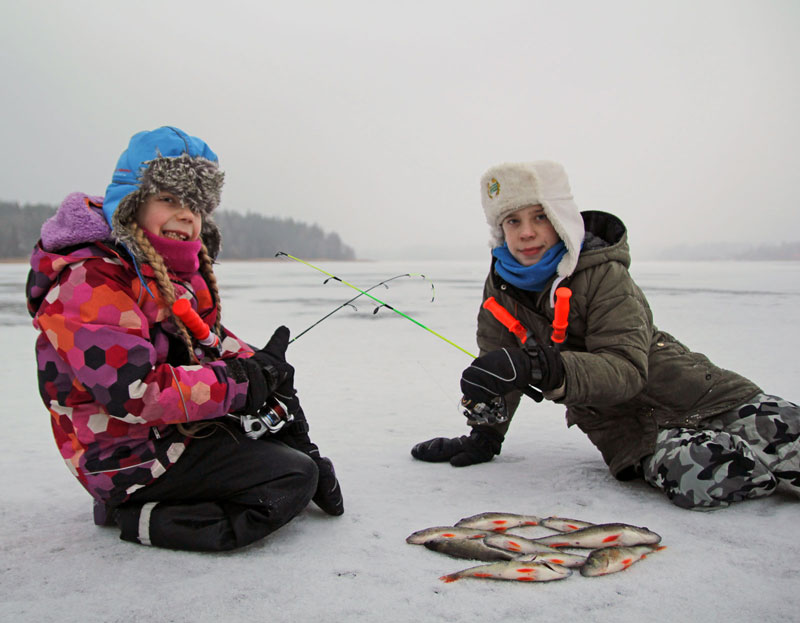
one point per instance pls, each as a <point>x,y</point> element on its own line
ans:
<point>225,491</point>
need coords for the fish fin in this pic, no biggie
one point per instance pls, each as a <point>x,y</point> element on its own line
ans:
<point>452,577</point>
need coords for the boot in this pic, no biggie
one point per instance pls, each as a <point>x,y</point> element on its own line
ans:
<point>102,513</point>
<point>328,495</point>
<point>480,446</point>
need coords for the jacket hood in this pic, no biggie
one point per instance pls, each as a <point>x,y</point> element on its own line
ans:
<point>606,240</point>
<point>46,268</point>
<point>74,233</point>
<point>79,220</point>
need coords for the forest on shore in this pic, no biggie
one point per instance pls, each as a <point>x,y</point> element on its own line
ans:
<point>244,236</point>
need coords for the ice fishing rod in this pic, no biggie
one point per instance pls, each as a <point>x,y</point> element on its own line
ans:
<point>359,295</point>
<point>496,410</point>
<point>560,322</point>
<point>273,415</point>
<point>377,300</point>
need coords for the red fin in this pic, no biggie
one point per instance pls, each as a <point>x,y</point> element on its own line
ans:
<point>613,537</point>
<point>449,578</point>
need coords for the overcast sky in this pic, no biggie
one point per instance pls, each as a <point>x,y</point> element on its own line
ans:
<point>376,119</point>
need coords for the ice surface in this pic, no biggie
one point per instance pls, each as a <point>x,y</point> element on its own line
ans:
<point>373,384</point>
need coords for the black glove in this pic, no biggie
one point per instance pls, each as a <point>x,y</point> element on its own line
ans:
<point>501,371</point>
<point>550,366</point>
<point>496,374</point>
<point>265,372</point>
<point>482,444</point>
<point>249,371</point>
<point>272,359</point>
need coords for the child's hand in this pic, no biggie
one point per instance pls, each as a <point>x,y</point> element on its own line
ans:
<point>272,359</point>
<point>496,374</point>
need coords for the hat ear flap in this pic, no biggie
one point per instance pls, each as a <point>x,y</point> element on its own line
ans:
<point>211,236</point>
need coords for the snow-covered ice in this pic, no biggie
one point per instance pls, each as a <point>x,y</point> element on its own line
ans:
<point>373,384</point>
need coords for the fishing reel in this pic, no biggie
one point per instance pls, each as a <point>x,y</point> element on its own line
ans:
<point>493,412</point>
<point>271,418</point>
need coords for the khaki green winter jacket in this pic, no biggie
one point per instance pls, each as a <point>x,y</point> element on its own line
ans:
<point>625,379</point>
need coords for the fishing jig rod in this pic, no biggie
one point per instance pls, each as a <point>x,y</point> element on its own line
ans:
<point>377,300</point>
<point>273,415</point>
<point>496,411</point>
<point>359,295</point>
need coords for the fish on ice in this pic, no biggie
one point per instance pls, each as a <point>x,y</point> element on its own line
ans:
<point>518,544</point>
<point>472,549</point>
<point>564,524</point>
<point>497,522</point>
<point>614,559</point>
<point>512,570</point>
<point>602,535</point>
<point>561,558</point>
<point>449,532</point>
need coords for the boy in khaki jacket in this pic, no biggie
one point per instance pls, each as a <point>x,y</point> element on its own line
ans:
<point>655,409</point>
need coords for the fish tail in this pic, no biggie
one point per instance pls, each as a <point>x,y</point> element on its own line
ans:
<point>452,577</point>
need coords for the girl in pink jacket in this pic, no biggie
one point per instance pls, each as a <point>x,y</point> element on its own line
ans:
<point>140,410</point>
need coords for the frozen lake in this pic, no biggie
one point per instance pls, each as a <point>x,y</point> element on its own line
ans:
<point>373,384</point>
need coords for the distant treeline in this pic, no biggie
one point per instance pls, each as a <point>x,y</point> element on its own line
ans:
<point>249,236</point>
<point>782,251</point>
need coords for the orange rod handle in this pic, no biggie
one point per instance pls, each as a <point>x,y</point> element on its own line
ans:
<point>505,318</point>
<point>560,322</point>
<point>183,310</point>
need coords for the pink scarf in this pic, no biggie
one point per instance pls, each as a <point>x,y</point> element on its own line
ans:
<point>182,256</point>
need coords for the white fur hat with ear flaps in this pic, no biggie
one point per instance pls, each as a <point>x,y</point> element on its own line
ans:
<point>508,187</point>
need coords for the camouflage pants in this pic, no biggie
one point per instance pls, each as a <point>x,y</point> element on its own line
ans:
<point>743,453</point>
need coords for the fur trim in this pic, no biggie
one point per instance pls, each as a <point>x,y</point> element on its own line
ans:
<point>197,182</point>
<point>511,186</point>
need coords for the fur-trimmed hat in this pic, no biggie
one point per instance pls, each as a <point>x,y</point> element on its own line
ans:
<point>164,160</point>
<point>508,187</point>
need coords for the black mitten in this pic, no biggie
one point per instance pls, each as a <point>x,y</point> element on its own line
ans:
<point>480,446</point>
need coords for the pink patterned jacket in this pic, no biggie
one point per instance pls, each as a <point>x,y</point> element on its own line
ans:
<point>112,371</point>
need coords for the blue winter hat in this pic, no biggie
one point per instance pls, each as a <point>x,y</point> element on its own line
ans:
<point>165,159</point>
<point>166,142</point>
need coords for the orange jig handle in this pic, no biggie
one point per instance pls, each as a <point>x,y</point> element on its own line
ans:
<point>199,329</point>
<point>505,318</point>
<point>560,322</point>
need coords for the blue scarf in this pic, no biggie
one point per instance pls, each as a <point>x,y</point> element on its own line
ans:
<point>533,278</point>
